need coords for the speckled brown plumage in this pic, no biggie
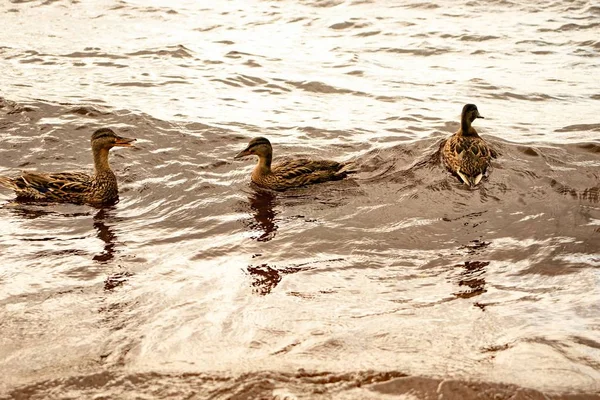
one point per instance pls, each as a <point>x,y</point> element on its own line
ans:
<point>465,153</point>
<point>74,187</point>
<point>292,173</point>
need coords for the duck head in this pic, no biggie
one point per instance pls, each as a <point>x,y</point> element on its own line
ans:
<point>106,138</point>
<point>259,146</point>
<point>470,113</point>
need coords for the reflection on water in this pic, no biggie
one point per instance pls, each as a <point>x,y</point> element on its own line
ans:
<point>116,280</point>
<point>23,211</point>
<point>262,203</point>
<point>591,194</point>
<point>103,221</point>
<point>264,278</point>
<point>34,210</point>
<point>472,278</point>
<point>102,224</point>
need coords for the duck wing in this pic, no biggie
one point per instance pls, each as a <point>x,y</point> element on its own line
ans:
<point>468,157</point>
<point>302,171</point>
<point>57,186</point>
<point>302,166</point>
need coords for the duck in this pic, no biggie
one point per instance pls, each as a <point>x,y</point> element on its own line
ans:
<point>292,173</point>
<point>465,153</point>
<point>74,187</point>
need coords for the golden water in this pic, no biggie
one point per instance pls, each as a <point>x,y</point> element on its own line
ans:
<point>198,285</point>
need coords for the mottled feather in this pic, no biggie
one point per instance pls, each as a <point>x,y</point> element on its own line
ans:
<point>300,172</point>
<point>465,153</point>
<point>73,187</point>
<point>470,155</point>
<point>290,173</point>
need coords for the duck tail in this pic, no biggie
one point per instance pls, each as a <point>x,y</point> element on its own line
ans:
<point>8,183</point>
<point>477,179</point>
<point>348,168</point>
<point>463,178</point>
<point>470,181</point>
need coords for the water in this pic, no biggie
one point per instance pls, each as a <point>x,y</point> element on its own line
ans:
<point>399,281</point>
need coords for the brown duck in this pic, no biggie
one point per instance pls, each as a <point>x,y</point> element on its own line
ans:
<point>74,187</point>
<point>289,174</point>
<point>465,153</point>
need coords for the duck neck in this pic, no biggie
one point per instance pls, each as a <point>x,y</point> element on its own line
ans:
<point>101,160</point>
<point>263,167</point>
<point>264,164</point>
<point>465,127</point>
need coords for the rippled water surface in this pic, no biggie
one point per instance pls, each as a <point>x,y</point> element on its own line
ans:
<point>398,282</point>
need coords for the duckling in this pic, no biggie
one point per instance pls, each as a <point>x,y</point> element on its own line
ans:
<point>74,187</point>
<point>465,153</point>
<point>289,173</point>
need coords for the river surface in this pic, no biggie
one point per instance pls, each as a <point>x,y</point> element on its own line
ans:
<point>396,283</point>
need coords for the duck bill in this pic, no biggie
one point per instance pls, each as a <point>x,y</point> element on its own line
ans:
<point>124,142</point>
<point>242,154</point>
<point>479,115</point>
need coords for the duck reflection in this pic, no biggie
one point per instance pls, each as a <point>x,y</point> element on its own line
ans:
<point>105,233</point>
<point>472,279</point>
<point>262,203</point>
<point>101,224</point>
<point>265,277</point>
<point>591,194</point>
<point>33,210</point>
